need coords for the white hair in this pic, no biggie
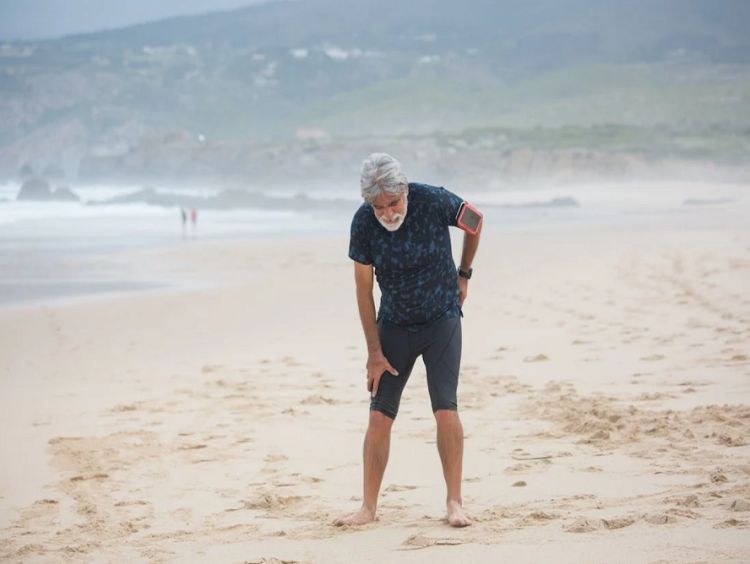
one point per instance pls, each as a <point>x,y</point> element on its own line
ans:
<point>381,173</point>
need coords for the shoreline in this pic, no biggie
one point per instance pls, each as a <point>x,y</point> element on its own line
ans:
<point>50,269</point>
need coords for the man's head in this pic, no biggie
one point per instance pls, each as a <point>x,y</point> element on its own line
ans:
<point>385,188</point>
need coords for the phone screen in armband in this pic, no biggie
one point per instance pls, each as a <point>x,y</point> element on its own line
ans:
<point>469,218</point>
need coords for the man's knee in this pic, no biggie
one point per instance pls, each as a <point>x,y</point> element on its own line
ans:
<point>379,422</point>
<point>447,417</point>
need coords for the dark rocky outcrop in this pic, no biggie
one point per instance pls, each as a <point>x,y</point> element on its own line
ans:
<point>65,194</point>
<point>35,189</point>
<point>40,190</point>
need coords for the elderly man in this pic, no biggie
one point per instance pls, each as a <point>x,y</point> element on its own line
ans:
<point>400,234</point>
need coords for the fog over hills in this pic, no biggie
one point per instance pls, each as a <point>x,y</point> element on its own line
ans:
<point>228,83</point>
<point>47,19</point>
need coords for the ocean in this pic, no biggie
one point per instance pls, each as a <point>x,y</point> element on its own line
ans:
<point>62,250</point>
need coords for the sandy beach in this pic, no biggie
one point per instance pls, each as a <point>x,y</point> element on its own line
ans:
<point>605,395</point>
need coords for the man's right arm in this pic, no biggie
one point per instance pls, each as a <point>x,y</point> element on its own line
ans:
<point>363,278</point>
<point>376,361</point>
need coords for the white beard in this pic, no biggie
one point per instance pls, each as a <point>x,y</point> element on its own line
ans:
<point>398,219</point>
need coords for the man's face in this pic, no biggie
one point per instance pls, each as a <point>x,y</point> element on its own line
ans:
<point>390,210</point>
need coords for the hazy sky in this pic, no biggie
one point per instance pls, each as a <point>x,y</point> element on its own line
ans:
<point>36,19</point>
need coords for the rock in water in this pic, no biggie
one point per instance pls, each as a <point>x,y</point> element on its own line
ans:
<point>65,194</point>
<point>39,189</point>
<point>35,189</point>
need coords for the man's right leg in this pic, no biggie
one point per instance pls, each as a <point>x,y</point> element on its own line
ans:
<point>383,411</point>
<point>375,455</point>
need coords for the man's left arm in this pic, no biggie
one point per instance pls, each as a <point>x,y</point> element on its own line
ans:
<point>470,246</point>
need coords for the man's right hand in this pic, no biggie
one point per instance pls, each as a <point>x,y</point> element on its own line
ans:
<point>376,365</point>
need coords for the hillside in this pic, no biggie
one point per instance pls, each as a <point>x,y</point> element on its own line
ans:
<point>329,69</point>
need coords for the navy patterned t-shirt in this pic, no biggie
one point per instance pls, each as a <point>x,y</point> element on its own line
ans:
<point>413,265</point>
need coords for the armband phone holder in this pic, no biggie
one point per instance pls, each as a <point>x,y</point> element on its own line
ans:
<point>469,218</point>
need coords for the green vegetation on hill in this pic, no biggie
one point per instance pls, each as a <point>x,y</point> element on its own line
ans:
<point>380,68</point>
<point>717,144</point>
<point>637,95</point>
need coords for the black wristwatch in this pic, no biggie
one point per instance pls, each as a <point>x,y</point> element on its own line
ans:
<point>465,273</point>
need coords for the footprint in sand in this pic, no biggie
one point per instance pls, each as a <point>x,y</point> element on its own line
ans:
<point>731,440</point>
<point>521,454</point>
<point>654,396</point>
<point>128,503</point>
<point>134,515</point>
<point>660,519</point>
<point>684,501</point>
<point>540,516</point>
<point>584,525</point>
<point>739,505</point>
<point>124,407</point>
<point>399,488</point>
<point>269,502</point>
<point>653,357</point>
<point>307,479</point>
<point>100,476</point>
<point>318,400</point>
<point>732,523</point>
<point>191,447</point>
<point>536,358</point>
<point>416,542</point>
<point>43,513</point>
<point>294,412</point>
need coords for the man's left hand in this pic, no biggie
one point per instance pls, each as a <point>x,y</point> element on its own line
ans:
<point>463,290</point>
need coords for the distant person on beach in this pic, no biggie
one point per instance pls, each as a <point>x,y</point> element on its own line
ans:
<point>183,214</point>
<point>194,218</point>
<point>422,293</point>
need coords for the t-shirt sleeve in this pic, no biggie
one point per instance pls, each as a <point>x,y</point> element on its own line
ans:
<point>448,206</point>
<point>359,244</point>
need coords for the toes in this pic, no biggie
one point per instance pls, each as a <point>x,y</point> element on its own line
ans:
<point>458,520</point>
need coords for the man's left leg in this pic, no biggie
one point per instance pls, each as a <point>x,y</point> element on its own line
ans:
<point>442,359</point>
<point>450,442</point>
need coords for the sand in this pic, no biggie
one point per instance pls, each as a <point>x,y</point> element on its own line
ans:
<point>605,395</point>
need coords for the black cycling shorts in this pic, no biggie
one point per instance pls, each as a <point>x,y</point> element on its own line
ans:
<point>439,345</point>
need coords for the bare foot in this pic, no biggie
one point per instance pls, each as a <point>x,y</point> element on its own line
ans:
<point>361,517</point>
<point>456,515</point>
